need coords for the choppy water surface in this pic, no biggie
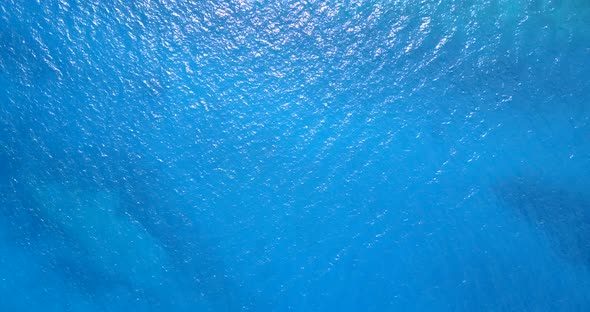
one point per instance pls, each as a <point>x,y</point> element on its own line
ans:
<point>295,155</point>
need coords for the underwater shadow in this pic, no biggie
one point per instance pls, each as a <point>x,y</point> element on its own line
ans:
<point>133,237</point>
<point>559,211</point>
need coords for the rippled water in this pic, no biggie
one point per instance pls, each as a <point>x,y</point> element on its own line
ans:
<point>295,155</point>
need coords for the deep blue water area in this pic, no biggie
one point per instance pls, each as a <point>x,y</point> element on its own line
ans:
<point>295,155</point>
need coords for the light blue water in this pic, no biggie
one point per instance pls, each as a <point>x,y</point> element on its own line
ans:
<point>295,155</point>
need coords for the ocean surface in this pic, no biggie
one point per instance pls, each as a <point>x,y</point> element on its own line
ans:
<point>246,155</point>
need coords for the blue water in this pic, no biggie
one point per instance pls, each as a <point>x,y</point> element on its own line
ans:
<point>295,155</point>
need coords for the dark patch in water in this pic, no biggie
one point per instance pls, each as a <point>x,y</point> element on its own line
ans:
<point>148,199</point>
<point>562,213</point>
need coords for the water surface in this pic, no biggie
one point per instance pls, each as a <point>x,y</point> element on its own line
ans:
<point>294,155</point>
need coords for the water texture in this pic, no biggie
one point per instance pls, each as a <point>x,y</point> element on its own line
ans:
<point>294,155</point>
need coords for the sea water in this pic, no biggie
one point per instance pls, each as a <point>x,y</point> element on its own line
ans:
<point>294,155</point>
